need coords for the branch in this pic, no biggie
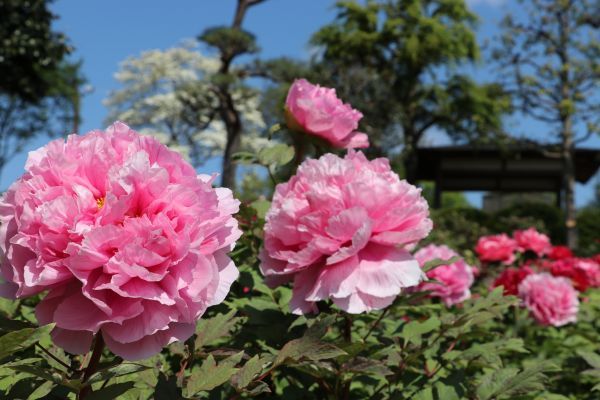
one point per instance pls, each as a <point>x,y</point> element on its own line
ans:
<point>240,12</point>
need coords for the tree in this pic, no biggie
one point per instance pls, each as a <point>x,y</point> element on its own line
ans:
<point>39,88</point>
<point>550,57</point>
<point>170,94</point>
<point>396,62</point>
<point>30,51</point>
<point>231,43</point>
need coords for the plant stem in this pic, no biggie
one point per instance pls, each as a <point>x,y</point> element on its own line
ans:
<point>92,365</point>
<point>58,360</point>
<point>348,328</point>
<point>375,323</point>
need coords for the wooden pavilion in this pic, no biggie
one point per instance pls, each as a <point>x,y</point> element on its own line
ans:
<point>514,168</point>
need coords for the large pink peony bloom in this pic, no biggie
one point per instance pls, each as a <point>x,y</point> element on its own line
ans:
<point>532,240</point>
<point>551,300</point>
<point>124,235</point>
<point>317,111</point>
<point>453,280</point>
<point>338,230</point>
<point>496,248</point>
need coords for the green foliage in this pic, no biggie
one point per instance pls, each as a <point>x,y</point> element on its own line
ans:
<point>230,42</point>
<point>395,61</point>
<point>31,51</point>
<point>588,221</point>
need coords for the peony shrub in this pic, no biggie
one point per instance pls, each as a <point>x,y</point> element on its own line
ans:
<point>326,291</point>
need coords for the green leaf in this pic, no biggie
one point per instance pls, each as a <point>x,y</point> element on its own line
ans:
<point>509,381</point>
<point>591,358</point>
<point>414,330</point>
<point>277,155</point>
<point>210,375</point>
<point>261,206</point>
<point>49,375</point>
<point>21,339</point>
<point>167,389</point>
<point>41,390</point>
<point>367,366</point>
<point>424,394</point>
<point>429,265</point>
<point>307,348</point>
<point>7,324</point>
<point>115,371</point>
<point>446,392</point>
<point>246,374</point>
<point>110,392</point>
<point>244,157</point>
<point>211,329</point>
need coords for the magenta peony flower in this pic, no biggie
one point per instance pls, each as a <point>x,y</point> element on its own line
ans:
<point>338,230</point>
<point>318,111</point>
<point>583,272</point>
<point>511,278</point>
<point>124,235</point>
<point>532,240</point>
<point>551,300</point>
<point>496,248</point>
<point>453,280</point>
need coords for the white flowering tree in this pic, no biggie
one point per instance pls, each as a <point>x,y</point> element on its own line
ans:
<point>169,94</point>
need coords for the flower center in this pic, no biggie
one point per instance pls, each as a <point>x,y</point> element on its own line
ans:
<point>100,203</point>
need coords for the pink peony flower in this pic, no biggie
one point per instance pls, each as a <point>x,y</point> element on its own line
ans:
<point>532,240</point>
<point>551,300</point>
<point>125,237</point>
<point>454,279</point>
<point>339,228</point>
<point>496,248</point>
<point>317,111</point>
<point>511,278</point>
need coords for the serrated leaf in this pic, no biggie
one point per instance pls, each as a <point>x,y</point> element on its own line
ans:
<point>211,329</point>
<point>367,366</point>
<point>21,339</point>
<point>277,155</point>
<point>258,388</point>
<point>509,381</point>
<point>307,348</point>
<point>210,375</point>
<point>246,374</point>
<point>414,330</point>
<point>110,392</point>
<point>320,326</point>
<point>115,371</point>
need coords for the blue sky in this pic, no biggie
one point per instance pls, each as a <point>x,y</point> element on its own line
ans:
<point>105,32</point>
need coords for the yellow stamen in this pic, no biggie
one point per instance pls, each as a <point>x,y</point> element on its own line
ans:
<point>100,202</point>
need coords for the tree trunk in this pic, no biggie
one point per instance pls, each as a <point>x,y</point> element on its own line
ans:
<point>569,185</point>
<point>410,156</point>
<point>233,124</point>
